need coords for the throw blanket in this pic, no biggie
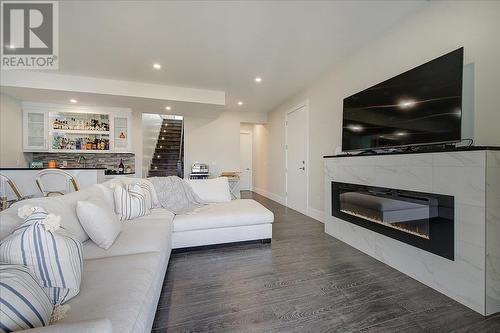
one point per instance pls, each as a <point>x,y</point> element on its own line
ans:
<point>176,195</point>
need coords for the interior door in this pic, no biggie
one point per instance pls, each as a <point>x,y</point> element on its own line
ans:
<point>246,160</point>
<point>296,153</point>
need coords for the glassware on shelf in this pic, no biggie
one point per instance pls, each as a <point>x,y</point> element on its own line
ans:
<point>92,142</point>
<point>80,122</point>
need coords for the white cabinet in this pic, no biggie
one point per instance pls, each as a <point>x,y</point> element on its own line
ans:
<point>35,132</point>
<point>121,133</point>
<point>75,129</point>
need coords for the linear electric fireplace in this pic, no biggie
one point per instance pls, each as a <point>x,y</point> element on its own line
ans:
<point>424,220</point>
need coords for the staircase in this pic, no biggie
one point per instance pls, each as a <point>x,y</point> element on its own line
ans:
<point>168,147</point>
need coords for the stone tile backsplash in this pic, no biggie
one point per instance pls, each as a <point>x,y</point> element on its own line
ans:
<point>102,160</point>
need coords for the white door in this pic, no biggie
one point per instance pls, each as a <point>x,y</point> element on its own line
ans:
<point>296,159</point>
<point>246,160</point>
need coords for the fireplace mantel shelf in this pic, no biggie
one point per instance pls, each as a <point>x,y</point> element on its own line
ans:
<point>423,151</point>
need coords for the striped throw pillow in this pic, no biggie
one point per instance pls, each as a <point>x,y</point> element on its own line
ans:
<point>149,192</point>
<point>23,303</point>
<point>53,254</point>
<point>130,202</point>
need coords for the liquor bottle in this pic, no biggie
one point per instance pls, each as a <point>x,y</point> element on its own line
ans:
<point>120,166</point>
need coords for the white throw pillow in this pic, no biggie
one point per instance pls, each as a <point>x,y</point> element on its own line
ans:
<point>130,202</point>
<point>99,221</point>
<point>48,250</point>
<point>211,190</point>
<point>24,303</point>
<point>106,194</point>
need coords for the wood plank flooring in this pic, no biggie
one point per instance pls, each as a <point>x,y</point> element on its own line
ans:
<point>304,281</point>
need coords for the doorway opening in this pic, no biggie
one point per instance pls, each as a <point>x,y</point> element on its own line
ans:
<point>163,145</point>
<point>246,157</point>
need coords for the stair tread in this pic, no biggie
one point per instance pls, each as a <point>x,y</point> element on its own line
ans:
<point>171,143</point>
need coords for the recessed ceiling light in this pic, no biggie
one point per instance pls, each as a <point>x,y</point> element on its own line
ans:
<point>74,101</point>
<point>156,65</point>
<point>168,108</point>
<point>258,79</point>
<point>240,103</point>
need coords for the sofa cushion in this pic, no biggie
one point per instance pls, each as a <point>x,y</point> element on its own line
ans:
<point>228,214</point>
<point>211,190</point>
<point>64,206</point>
<point>9,221</point>
<point>87,326</point>
<point>118,288</point>
<point>148,233</point>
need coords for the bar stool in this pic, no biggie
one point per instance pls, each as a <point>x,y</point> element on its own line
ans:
<point>5,184</point>
<point>60,182</point>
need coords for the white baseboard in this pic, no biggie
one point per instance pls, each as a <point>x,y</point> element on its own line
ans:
<point>269,195</point>
<point>316,214</point>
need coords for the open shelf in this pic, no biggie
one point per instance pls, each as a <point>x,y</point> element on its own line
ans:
<point>79,132</point>
<point>81,151</point>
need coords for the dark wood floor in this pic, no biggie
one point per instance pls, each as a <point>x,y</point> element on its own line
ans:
<point>304,281</point>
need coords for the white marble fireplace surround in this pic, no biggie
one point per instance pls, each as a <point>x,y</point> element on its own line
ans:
<point>473,178</point>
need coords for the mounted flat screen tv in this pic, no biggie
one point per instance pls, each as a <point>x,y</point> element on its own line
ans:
<point>419,107</point>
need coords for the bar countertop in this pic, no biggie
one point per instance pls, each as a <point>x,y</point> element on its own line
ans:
<point>20,168</point>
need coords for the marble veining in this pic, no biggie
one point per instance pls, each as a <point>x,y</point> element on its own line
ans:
<point>493,232</point>
<point>473,178</point>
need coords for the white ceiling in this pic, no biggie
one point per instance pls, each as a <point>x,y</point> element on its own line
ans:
<point>220,45</point>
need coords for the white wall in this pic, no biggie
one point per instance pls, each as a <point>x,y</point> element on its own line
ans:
<point>206,139</point>
<point>438,29</point>
<point>216,141</point>
<point>11,136</point>
<point>151,126</point>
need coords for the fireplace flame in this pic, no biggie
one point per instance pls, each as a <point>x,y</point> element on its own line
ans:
<point>415,230</point>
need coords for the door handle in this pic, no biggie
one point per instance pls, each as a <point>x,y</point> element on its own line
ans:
<point>248,169</point>
<point>303,168</point>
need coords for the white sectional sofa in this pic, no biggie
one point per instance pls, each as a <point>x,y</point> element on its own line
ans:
<point>225,222</point>
<point>121,286</point>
